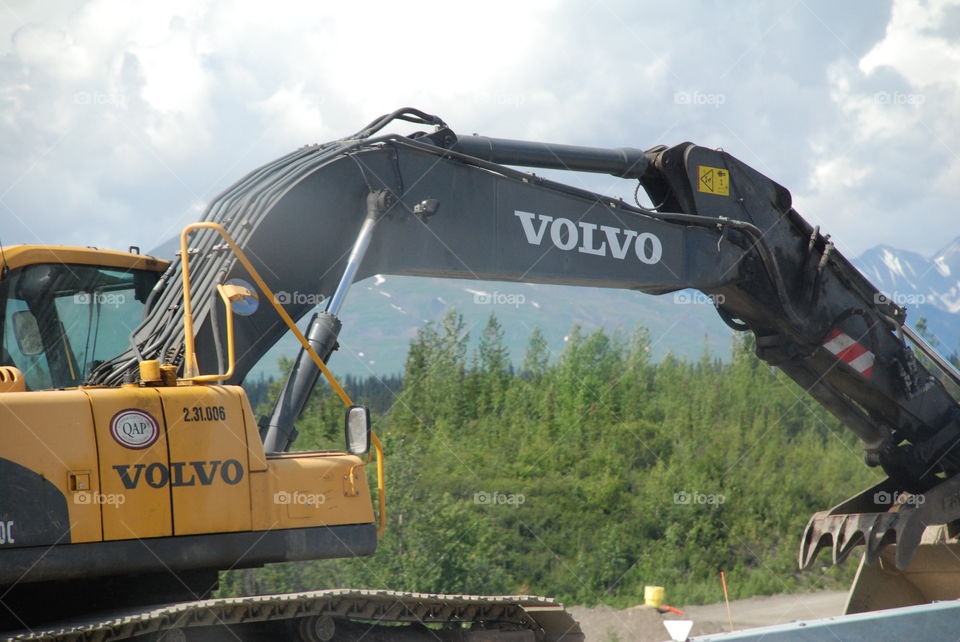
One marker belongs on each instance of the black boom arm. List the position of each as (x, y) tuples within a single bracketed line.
[(435, 204)]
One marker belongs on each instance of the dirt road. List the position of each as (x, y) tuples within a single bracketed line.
[(641, 624)]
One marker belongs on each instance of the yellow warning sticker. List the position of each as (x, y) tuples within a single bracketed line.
[(713, 180)]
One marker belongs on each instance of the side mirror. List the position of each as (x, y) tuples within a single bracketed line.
[(27, 332), (357, 429)]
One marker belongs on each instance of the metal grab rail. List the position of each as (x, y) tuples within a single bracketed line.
[(190, 357)]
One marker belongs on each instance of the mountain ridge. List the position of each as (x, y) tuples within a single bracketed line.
[(383, 313), (929, 287)]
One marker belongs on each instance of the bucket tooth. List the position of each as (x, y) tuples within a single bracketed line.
[(850, 534)]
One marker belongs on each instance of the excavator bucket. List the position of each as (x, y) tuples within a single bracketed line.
[(884, 520), (932, 575), (911, 553)]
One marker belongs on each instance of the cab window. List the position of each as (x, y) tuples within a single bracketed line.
[(61, 321)]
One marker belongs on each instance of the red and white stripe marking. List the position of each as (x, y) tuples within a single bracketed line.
[(850, 352)]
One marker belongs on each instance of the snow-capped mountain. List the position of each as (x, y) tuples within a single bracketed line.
[(928, 287)]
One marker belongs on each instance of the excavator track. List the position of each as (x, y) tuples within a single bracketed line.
[(331, 615)]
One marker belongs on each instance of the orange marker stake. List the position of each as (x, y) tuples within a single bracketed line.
[(726, 598)]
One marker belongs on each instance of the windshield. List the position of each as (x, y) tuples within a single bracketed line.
[(61, 321)]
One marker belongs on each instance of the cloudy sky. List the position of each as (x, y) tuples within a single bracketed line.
[(119, 121)]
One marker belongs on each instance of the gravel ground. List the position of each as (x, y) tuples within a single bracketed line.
[(643, 624)]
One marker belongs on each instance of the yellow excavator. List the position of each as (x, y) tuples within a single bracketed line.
[(133, 469)]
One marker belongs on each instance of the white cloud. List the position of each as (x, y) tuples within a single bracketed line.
[(916, 47), (839, 171), (124, 116), (888, 169), (296, 114)]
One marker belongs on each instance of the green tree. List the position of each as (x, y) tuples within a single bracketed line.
[(537, 357), (602, 445)]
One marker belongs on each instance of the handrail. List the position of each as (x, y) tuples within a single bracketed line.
[(190, 368), (190, 357), (231, 359), (381, 489)]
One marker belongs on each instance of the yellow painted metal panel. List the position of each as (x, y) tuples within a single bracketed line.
[(52, 434), (16, 256), (209, 469), (134, 491), (311, 489), (257, 458)]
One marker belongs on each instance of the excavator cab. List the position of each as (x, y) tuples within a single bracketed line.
[(141, 492), (66, 310)]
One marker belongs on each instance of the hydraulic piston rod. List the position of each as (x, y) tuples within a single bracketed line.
[(625, 162), (279, 432), (377, 203)]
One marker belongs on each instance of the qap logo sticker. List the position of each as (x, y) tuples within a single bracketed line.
[(134, 429)]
